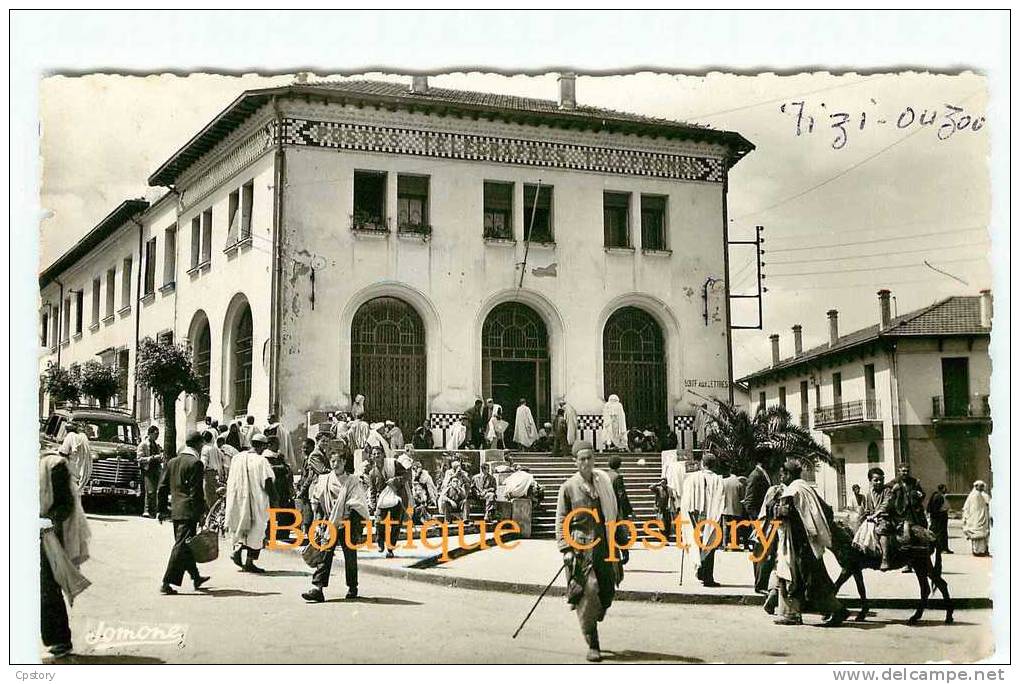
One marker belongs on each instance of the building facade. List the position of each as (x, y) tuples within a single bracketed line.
[(425, 247), (912, 388)]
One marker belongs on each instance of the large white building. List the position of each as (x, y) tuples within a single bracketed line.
[(324, 240), (911, 388)]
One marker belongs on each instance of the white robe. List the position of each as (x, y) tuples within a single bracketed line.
[(247, 507), (976, 521), (614, 424), (571, 416), (496, 426), (330, 488), (525, 430), (809, 508), (703, 495), (455, 436), (518, 484)]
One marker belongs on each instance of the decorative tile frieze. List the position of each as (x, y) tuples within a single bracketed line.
[(488, 148), (246, 152)]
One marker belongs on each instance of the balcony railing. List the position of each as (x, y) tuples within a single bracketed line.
[(960, 410), (422, 229), (847, 413)]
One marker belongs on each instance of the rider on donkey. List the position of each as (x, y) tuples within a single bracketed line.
[(899, 509)]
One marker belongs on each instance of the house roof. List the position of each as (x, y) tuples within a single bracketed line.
[(395, 94), (946, 317), (125, 211)]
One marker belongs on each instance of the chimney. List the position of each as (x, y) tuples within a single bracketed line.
[(419, 84), (775, 348), (798, 345), (833, 326), (884, 311), (568, 99), (986, 308)]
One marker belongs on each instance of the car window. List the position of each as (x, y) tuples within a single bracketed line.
[(51, 425), (109, 431)]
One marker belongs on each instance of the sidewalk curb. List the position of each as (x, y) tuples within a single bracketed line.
[(453, 582)]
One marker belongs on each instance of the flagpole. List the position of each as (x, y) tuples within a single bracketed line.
[(527, 234)]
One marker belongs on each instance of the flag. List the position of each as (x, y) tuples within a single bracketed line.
[(545, 271)]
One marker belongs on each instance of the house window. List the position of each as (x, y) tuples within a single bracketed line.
[(242, 360), (782, 396), (207, 235), (196, 241), (369, 201), (837, 388), (615, 219), (96, 300), (44, 335), (144, 403), (805, 418), (874, 455), (65, 331), (150, 266), (233, 217), (169, 254), (247, 199), (111, 283), (653, 222), (123, 358), (498, 210), (125, 299), (538, 217), (818, 396), (761, 401), (79, 310), (412, 203)]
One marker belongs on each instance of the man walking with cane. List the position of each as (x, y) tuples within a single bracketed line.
[(181, 497), (585, 505)]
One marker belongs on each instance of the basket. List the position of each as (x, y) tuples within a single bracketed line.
[(205, 546)]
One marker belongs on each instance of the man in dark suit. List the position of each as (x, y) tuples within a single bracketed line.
[(758, 483), (181, 499), (475, 423)]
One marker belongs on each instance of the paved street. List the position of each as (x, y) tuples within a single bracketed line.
[(250, 618)]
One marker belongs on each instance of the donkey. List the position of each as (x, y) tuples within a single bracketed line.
[(853, 562)]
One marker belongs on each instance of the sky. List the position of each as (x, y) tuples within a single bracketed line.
[(847, 208)]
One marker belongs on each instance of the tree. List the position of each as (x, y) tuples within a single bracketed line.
[(737, 439), (99, 382), (166, 369), (62, 384)]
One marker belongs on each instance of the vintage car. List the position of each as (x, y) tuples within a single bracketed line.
[(113, 439)]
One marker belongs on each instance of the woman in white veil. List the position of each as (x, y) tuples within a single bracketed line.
[(497, 426), (614, 424)]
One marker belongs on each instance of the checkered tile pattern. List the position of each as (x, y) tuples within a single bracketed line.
[(440, 422), (424, 143)]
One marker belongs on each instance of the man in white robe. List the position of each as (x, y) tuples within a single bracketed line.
[(702, 499), (977, 522), (571, 416), (247, 508), (456, 434), (525, 430), (75, 448), (614, 425)]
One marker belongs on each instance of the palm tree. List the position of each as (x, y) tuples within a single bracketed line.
[(737, 439)]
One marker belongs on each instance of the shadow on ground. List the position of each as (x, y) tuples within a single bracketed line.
[(104, 659), (628, 656)]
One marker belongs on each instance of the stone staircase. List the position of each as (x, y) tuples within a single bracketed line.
[(551, 472)]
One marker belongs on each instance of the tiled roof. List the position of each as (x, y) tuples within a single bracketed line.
[(395, 94), (493, 100), (950, 316)]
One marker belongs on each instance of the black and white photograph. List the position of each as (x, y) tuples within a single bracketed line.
[(630, 357)]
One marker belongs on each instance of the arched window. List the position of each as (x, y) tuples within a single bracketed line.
[(874, 455), (634, 365), (515, 360), (201, 348), (242, 346), (388, 361)]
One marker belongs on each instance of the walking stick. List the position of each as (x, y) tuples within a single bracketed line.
[(540, 597), (683, 556)]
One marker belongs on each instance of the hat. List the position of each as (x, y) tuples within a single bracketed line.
[(390, 423), (581, 445), (375, 426), (404, 460), (548, 425), (258, 437)]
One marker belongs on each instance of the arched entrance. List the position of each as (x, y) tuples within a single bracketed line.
[(200, 340), (388, 363), (241, 351), (634, 365), (515, 360)]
